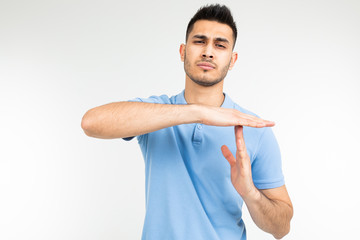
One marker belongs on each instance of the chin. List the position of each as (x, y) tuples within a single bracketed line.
[(206, 83)]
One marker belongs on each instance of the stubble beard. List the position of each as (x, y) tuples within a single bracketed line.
[(204, 81)]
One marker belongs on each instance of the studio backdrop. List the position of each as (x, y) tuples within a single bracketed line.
[(298, 65)]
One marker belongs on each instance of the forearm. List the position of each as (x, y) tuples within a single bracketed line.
[(127, 119), (272, 216)]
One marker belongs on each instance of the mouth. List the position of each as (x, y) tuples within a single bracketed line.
[(206, 65)]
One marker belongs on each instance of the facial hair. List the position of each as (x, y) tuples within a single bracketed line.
[(203, 81)]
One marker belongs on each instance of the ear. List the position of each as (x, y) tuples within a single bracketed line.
[(182, 52), (234, 57)]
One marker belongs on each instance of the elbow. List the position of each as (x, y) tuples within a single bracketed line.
[(283, 233), (87, 124), (285, 228), (91, 125)]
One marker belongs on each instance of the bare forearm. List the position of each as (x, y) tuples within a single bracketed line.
[(272, 216), (127, 119)]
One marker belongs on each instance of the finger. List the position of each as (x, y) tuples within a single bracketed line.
[(228, 155), (252, 121), (240, 142), (268, 123), (256, 122)]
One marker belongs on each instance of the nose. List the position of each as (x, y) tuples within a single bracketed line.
[(207, 56), (208, 52)]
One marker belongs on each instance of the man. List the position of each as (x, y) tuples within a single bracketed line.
[(191, 191)]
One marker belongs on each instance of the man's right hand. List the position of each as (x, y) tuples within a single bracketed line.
[(218, 116), (128, 119)]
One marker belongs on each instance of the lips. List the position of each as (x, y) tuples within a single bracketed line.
[(205, 65)]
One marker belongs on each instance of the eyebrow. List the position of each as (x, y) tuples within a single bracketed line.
[(218, 39)]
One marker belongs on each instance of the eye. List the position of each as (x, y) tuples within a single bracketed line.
[(220, 46), (199, 42)]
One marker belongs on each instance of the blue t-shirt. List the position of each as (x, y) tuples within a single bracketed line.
[(189, 194)]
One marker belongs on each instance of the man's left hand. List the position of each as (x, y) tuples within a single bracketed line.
[(241, 176)]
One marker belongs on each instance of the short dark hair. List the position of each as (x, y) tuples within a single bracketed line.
[(214, 12)]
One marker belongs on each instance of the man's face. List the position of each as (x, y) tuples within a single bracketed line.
[(208, 55)]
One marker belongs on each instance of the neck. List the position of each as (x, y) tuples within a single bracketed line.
[(197, 94)]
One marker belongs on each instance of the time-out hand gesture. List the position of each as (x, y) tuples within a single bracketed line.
[(241, 176), (218, 116)]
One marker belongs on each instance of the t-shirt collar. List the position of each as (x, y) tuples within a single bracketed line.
[(180, 99)]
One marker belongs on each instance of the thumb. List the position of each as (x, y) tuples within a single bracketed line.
[(228, 155)]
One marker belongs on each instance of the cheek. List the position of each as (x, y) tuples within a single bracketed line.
[(187, 55), (192, 52), (226, 58)]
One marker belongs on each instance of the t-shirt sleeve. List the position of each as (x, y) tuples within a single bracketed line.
[(266, 167), (152, 99)]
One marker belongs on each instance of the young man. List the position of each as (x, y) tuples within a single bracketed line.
[(192, 192)]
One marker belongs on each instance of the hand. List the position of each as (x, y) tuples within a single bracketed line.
[(217, 116), (270, 209), (241, 176)]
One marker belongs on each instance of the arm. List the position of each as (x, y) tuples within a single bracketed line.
[(271, 209), (127, 119)]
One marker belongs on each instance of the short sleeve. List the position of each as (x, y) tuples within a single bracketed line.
[(266, 167), (153, 99)]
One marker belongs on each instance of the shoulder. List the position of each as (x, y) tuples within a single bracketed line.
[(229, 103), (162, 99)]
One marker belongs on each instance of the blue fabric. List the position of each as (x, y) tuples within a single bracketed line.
[(189, 194)]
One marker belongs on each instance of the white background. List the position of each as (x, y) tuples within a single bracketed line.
[(298, 66)]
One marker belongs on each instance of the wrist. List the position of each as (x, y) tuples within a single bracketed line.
[(253, 196), (195, 113)]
